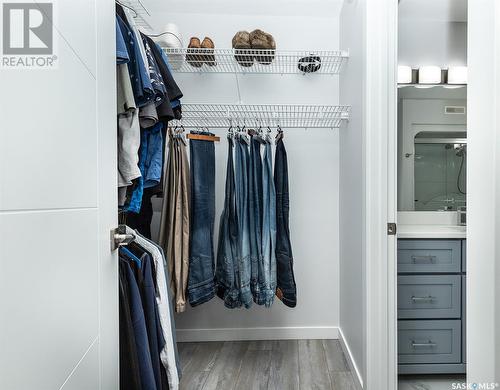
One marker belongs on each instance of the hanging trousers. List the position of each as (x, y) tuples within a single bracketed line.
[(242, 159), (268, 279), (201, 286), (174, 225), (227, 272), (286, 288), (255, 209)]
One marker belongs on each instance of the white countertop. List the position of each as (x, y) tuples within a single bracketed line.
[(431, 231)]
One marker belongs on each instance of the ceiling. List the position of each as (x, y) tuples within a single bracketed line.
[(437, 10)]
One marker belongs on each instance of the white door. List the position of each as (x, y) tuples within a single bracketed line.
[(58, 276)]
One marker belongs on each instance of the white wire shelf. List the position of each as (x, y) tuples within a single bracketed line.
[(256, 61), (139, 12), (257, 115)]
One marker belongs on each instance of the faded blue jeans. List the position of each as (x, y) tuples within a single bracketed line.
[(242, 160), (226, 272), (201, 286), (255, 209), (267, 280)]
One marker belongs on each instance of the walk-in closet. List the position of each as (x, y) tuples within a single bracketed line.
[(218, 195), (250, 185)]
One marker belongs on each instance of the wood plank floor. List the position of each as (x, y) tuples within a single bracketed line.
[(265, 365)]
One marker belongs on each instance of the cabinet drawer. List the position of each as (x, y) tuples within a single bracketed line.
[(464, 320), (429, 342), (429, 296), (464, 256), (430, 256)]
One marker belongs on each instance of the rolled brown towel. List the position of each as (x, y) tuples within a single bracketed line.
[(265, 43), (193, 56), (241, 44)]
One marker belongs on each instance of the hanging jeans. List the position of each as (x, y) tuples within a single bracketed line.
[(174, 225), (242, 158), (255, 206), (286, 288), (267, 280), (201, 287), (226, 273)]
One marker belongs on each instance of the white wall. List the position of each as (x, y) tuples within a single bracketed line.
[(431, 42), (432, 32), (352, 184), (313, 164)]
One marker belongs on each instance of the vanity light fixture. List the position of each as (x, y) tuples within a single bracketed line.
[(429, 75), (404, 74), (457, 75)]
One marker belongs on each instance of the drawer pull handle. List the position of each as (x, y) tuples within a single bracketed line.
[(423, 259), (429, 298), (429, 344)]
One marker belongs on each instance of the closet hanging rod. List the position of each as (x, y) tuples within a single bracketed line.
[(120, 237), (320, 62)]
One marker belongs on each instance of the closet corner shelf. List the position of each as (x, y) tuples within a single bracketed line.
[(262, 115), (275, 61)]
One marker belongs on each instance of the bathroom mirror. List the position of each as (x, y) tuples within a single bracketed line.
[(432, 149), (439, 170)]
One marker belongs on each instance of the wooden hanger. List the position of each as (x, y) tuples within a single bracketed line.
[(203, 137)]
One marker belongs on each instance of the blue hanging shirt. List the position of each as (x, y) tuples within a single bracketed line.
[(122, 56), (139, 75)]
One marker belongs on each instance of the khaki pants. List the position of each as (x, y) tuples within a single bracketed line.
[(174, 226)]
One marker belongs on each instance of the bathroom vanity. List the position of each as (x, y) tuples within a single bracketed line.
[(431, 299)]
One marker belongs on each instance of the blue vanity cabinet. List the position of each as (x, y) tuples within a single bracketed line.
[(431, 306), (429, 256)]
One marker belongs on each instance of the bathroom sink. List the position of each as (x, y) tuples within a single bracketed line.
[(431, 231)]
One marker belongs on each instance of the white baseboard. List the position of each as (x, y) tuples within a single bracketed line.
[(350, 359), (272, 333)]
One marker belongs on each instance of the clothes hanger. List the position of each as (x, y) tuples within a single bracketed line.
[(279, 134), (268, 135), (230, 131), (130, 255), (128, 7), (179, 133), (203, 137), (258, 135), (243, 135)]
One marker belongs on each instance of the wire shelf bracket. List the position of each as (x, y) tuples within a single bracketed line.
[(262, 115), (250, 61)]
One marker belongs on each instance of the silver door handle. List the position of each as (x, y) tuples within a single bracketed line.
[(423, 259), (429, 344), (423, 299)]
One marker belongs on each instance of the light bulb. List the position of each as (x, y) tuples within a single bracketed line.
[(429, 75), (404, 74), (457, 75)]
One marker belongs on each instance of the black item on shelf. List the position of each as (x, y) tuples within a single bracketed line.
[(309, 64)]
